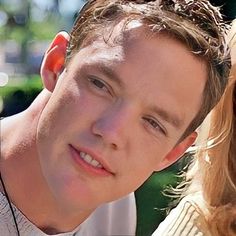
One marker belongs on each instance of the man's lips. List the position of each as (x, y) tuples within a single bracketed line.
[(90, 161)]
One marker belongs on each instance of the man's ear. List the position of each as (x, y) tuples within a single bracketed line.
[(177, 152), (53, 61)]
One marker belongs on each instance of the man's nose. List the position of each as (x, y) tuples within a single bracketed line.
[(114, 126)]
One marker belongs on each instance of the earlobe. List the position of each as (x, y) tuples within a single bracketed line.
[(177, 152), (53, 61)]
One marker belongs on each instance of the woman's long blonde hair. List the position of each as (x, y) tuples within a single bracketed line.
[(213, 172)]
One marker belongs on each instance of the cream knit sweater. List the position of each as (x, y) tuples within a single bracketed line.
[(116, 218)]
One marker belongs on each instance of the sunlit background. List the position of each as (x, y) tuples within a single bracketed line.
[(26, 29)]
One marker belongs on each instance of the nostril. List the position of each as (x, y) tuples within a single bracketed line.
[(114, 146)]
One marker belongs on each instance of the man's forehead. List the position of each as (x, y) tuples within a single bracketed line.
[(115, 44), (120, 33)]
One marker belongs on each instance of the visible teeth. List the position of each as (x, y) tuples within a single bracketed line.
[(95, 163), (82, 154), (87, 158)]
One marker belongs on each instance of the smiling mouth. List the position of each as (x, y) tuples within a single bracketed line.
[(88, 163), (89, 160)]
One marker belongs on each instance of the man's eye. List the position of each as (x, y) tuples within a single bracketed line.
[(98, 84), (154, 124)]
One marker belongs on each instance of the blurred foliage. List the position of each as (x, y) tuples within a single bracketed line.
[(48, 29), (155, 197), (152, 204), (17, 98), (34, 83)]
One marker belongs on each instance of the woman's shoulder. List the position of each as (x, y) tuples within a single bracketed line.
[(187, 219)]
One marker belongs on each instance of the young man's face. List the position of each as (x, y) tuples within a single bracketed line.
[(115, 116)]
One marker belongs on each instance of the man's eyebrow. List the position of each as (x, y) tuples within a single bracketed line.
[(110, 73), (170, 118)]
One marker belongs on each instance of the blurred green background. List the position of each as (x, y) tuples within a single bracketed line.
[(26, 29)]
